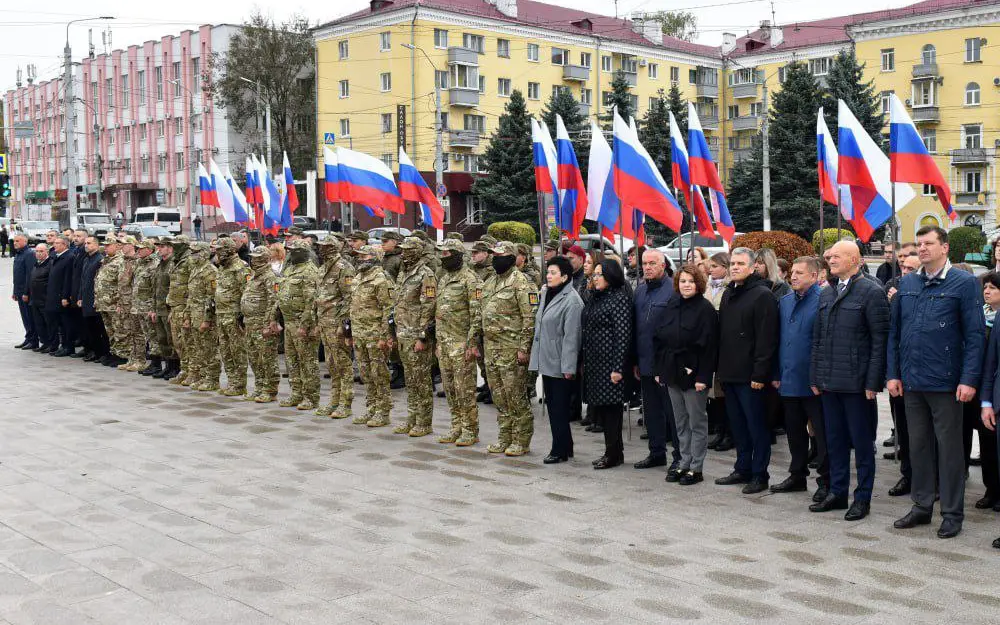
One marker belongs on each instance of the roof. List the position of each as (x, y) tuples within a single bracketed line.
[(542, 15), (834, 29)]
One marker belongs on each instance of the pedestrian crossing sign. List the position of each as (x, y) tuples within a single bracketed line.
[(3, 163), (329, 138)]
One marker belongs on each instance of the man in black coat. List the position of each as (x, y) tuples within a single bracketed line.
[(24, 260), (847, 369), (94, 335), (78, 250), (57, 298), (38, 286), (748, 342)]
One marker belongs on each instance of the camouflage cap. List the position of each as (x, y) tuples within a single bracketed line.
[(388, 235), (551, 247), (295, 231), (181, 239), (109, 240), (523, 250), (481, 246), (199, 246), (127, 240), (420, 234), (147, 244), (412, 243), (366, 250), (359, 235), (331, 240), (451, 245), (163, 241), (489, 240), (298, 244), (505, 248), (225, 244), (455, 235), (260, 250)]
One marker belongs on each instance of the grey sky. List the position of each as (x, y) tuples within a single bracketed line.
[(37, 36)]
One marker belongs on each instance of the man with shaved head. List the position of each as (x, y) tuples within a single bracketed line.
[(847, 369)]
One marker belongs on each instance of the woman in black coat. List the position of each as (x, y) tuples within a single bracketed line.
[(607, 332)]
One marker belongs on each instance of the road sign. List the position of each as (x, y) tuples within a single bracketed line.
[(160, 196), (442, 190), (3, 163), (329, 138)]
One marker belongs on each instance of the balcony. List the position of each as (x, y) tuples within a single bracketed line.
[(926, 114), (462, 56), (461, 96), (631, 78), (709, 119), (577, 73), (746, 122), (967, 197), (747, 90), (706, 91), (463, 138), (741, 154), (925, 70), (583, 109), (969, 156)]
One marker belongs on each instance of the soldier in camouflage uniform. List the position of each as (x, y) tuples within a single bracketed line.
[(372, 296), (259, 305), (413, 310), (333, 308), (204, 360), (527, 265), (130, 325), (297, 302), (106, 297), (481, 263), (458, 327), (178, 320), (355, 241), (232, 278), (430, 253), (508, 309), (143, 294), (392, 258), (161, 313)]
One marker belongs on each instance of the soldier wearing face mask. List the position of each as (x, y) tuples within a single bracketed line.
[(201, 319), (297, 301), (372, 296), (333, 308), (259, 306), (232, 278)]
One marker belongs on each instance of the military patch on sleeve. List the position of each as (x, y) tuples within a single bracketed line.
[(213, 285), (533, 299), (430, 291), (348, 280), (249, 277), (275, 287), (479, 293)]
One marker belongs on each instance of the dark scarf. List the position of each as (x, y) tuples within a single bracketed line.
[(551, 292)]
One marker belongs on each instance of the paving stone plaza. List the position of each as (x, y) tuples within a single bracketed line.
[(128, 501)]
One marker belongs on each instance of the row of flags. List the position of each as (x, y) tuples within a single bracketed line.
[(866, 185), (266, 202)]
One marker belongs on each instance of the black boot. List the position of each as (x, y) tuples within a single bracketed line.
[(159, 373), (173, 368), (398, 380), (153, 368)]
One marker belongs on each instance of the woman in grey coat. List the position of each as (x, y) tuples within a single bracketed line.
[(554, 352)]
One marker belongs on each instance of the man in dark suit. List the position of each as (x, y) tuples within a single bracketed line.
[(77, 248), (57, 298), (24, 260), (38, 286), (94, 335)]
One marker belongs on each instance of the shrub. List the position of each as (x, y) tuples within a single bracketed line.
[(785, 244), (513, 231), (555, 232), (830, 237), (963, 240)]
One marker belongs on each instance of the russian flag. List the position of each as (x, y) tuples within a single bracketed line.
[(864, 170), (637, 182), (602, 203), (241, 214), (223, 193), (413, 187), (826, 161), (291, 195), (703, 173), (262, 197), (573, 195), (682, 180), (331, 179), (546, 165), (368, 181), (251, 195), (909, 160), (208, 194)]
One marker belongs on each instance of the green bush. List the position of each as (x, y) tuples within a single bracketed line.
[(554, 233), (785, 244), (963, 240), (513, 231), (829, 236)]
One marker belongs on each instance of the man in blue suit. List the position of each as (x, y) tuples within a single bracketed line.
[(24, 260)]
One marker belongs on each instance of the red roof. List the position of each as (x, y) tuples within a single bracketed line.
[(834, 29), (541, 15)]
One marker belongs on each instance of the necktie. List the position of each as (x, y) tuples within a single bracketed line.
[(841, 286)]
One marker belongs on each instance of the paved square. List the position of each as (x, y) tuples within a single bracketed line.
[(125, 500)]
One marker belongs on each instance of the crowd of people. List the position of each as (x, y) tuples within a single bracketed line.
[(742, 343)]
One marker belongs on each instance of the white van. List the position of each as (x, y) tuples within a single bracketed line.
[(165, 216)]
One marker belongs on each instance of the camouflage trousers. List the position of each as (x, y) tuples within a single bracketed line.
[(203, 357), (458, 376), (508, 383), (161, 345), (112, 327), (262, 353), (419, 387), (232, 348), (338, 362), (133, 337), (371, 362), (181, 338), (302, 361)]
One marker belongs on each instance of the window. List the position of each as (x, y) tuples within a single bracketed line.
[(756, 108), (127, 134), (585, 59), (145, 164), (444, 121), (384, 42), (161, 161), (503, 48), (633, 101), (344, 49), (533, 89), (503, 87), (142, 132), (386, 80), (930, 140), (124, 90), (928, 54), (475, 122), (474, 42), (482, 84), (473, 210), (605, 63), (178, 126), (972, 136), (471, 163), (559, 56), (465, 76), (109, 93), (923, 93), (177, 79), (973, 181), (557, 89), (586, 96), (654, 71), (533, 52), (885, 102), (440, 38), (159, 128), (345, 127), (675, 74), (444, 167), (732, 111), (386, 123), (386, 158), (606, 98), (782, 72), (441, 78), (929, 190), (972, 94), (972, 50), (630, 64), (179, 160), (345, 89), (819, 67), (744, 76), (159, 84), (652, 103), (111, 136), (889, 60), (142, 87)]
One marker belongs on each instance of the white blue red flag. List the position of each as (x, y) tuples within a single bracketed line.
[(572, 194), (208, 194), (241, 212), (414, 188), (331, 178), (602, 203), (291, 195), (826, 161), (368, 181), (638, 183), (909, 160), (223, 194), (703, 172), (682, 180), (546, 163)]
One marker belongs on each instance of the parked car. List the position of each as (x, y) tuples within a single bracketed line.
[(375, 234), (166, 216), (140, 231), (35, 230), (593, 241), (306, 223), (96, 224), (710, 245)]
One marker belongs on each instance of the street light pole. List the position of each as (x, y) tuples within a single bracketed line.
[(438, 130)]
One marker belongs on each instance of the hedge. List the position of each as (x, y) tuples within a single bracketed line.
[(830, 237), (554, 233), (963, 240), (785, 244), (513, 231)]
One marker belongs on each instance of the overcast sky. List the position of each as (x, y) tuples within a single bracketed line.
[(37, 36)]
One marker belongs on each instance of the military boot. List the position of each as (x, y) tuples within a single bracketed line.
[(516, 449), (420, 430), (125, 365), (172, 370), (177, 377), (360, 420), (342, 412), (264, 398), (206, 386), (154, 366), (290, 401), (403, 428), (467, 439), (136, 366), (308, 403), (232, 391), (499, 447), (377, 422), (450, 437), (326, 411)]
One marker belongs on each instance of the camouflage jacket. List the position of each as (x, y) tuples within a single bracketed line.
[(333, 291), (483, 271), (392, 263), (372, 296), (161, 285), (106, 283), (201, 294), (458, 313), (259, 301), (531, 270), (143, 286), (413, 306), (126, 283), (509, 304), (180, 274), (232, 278), (297, 293)]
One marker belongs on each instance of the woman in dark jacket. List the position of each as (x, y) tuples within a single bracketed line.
[(607, 332), (686, 353)]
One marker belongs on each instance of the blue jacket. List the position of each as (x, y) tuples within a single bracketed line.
[(24, 261), (937, 332), (797, 317), (650, 300), (91, 265), (60, 281)]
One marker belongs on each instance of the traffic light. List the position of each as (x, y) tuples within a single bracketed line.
[(5, 185)]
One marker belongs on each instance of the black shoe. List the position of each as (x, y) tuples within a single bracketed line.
[(398, 381), (858, 510), (602, 458), (488, 400), (996, 543), (651, 461), (63, 352), (901, 488), (987, 501), (889, 455), (82, 354), (586, 422), (30, 347), (644, 436), (725, 445), (832, 502), (440, 394), (553, 459), (598, 429), (821, 494), (607, 463), (756, 485), (92, 357), (949, 528), (690, 478), (41, 349), (791, 484), (712, 444), (732, 479), (674, 474), (975, 462), (589, 428), (21, 345), (912, 519), (640, 421), (674, 466), (53, 349), (889, 442)]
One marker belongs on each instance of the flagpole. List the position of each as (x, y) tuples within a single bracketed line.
[(840, 206), (691, 212), (680, 235), (822, 232)]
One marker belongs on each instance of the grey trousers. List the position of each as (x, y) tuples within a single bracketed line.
[(938, 416), (692, 425)]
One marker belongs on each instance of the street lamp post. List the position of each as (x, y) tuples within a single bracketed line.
[(267, 116), (438, 130)]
